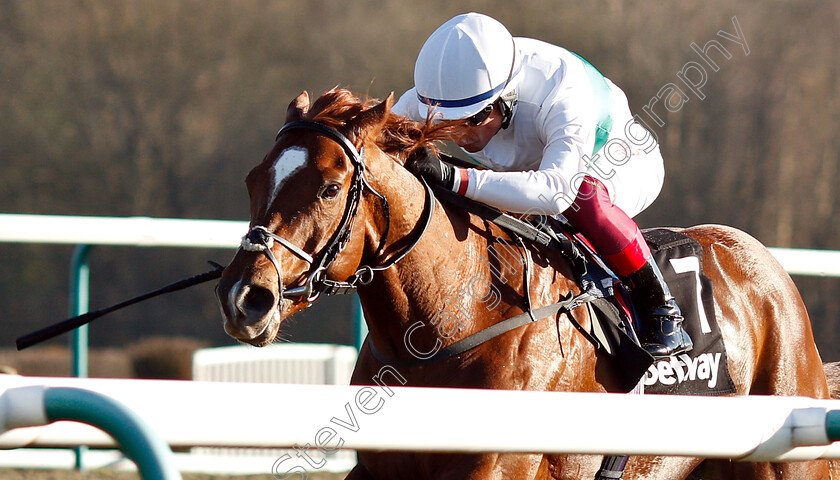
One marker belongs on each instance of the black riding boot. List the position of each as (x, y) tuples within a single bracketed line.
[(662, 331)]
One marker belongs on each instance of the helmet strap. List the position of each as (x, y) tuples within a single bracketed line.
[(505, 103)]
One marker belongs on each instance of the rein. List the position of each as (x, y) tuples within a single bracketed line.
[(260, 239), (520, 230)]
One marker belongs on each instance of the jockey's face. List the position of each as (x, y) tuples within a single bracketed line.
[(473, 138)]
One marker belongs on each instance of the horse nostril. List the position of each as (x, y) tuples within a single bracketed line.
[(255, 301)]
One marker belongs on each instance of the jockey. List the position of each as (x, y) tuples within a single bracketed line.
[(549, 135)]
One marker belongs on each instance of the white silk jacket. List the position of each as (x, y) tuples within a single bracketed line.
[(537, 163)]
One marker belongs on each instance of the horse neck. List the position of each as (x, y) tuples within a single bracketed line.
[(432, 277)]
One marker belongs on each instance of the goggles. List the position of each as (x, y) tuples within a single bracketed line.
[(481, 116)]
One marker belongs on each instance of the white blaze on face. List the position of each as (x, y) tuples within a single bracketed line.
[(289, 162)]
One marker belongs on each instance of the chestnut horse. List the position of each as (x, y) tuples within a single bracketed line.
[(326, 215)]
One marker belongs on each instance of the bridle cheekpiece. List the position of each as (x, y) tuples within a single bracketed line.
[(260, 239)]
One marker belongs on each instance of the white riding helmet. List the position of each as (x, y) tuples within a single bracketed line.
[(465, 65)]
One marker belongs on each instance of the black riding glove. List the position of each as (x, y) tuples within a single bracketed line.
[(426, 164)]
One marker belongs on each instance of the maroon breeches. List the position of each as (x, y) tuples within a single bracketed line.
[(613, 234)]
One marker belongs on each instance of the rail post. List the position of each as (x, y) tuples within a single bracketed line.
[(360, 329), (79, 303), (36, 405)]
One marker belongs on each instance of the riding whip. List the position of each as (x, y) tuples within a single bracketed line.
[(65, 326)]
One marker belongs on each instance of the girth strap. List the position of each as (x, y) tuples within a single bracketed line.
[(569, 303)]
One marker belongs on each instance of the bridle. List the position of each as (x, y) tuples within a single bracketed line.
[(260, 239)]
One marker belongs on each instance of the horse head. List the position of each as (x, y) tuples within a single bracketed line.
[(314, 214)]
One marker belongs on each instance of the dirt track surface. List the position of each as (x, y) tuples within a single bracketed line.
[(12, 474)]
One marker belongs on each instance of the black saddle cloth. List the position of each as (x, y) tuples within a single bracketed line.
[(703, 370)]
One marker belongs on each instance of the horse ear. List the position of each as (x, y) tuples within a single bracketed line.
[(369, 122), (298, 108)]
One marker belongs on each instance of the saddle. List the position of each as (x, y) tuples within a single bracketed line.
[(702, 371)]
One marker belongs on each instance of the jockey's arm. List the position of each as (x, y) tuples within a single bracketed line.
[(565, 129), (552, 187)]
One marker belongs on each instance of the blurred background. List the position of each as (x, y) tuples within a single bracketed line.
[(159, 108)]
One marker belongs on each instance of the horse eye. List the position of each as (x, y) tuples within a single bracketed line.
[(330, 191)]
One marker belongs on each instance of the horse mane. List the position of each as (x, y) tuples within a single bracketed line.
[(399, 137)]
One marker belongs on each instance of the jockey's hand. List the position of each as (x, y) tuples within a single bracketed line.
[(426, 164)]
